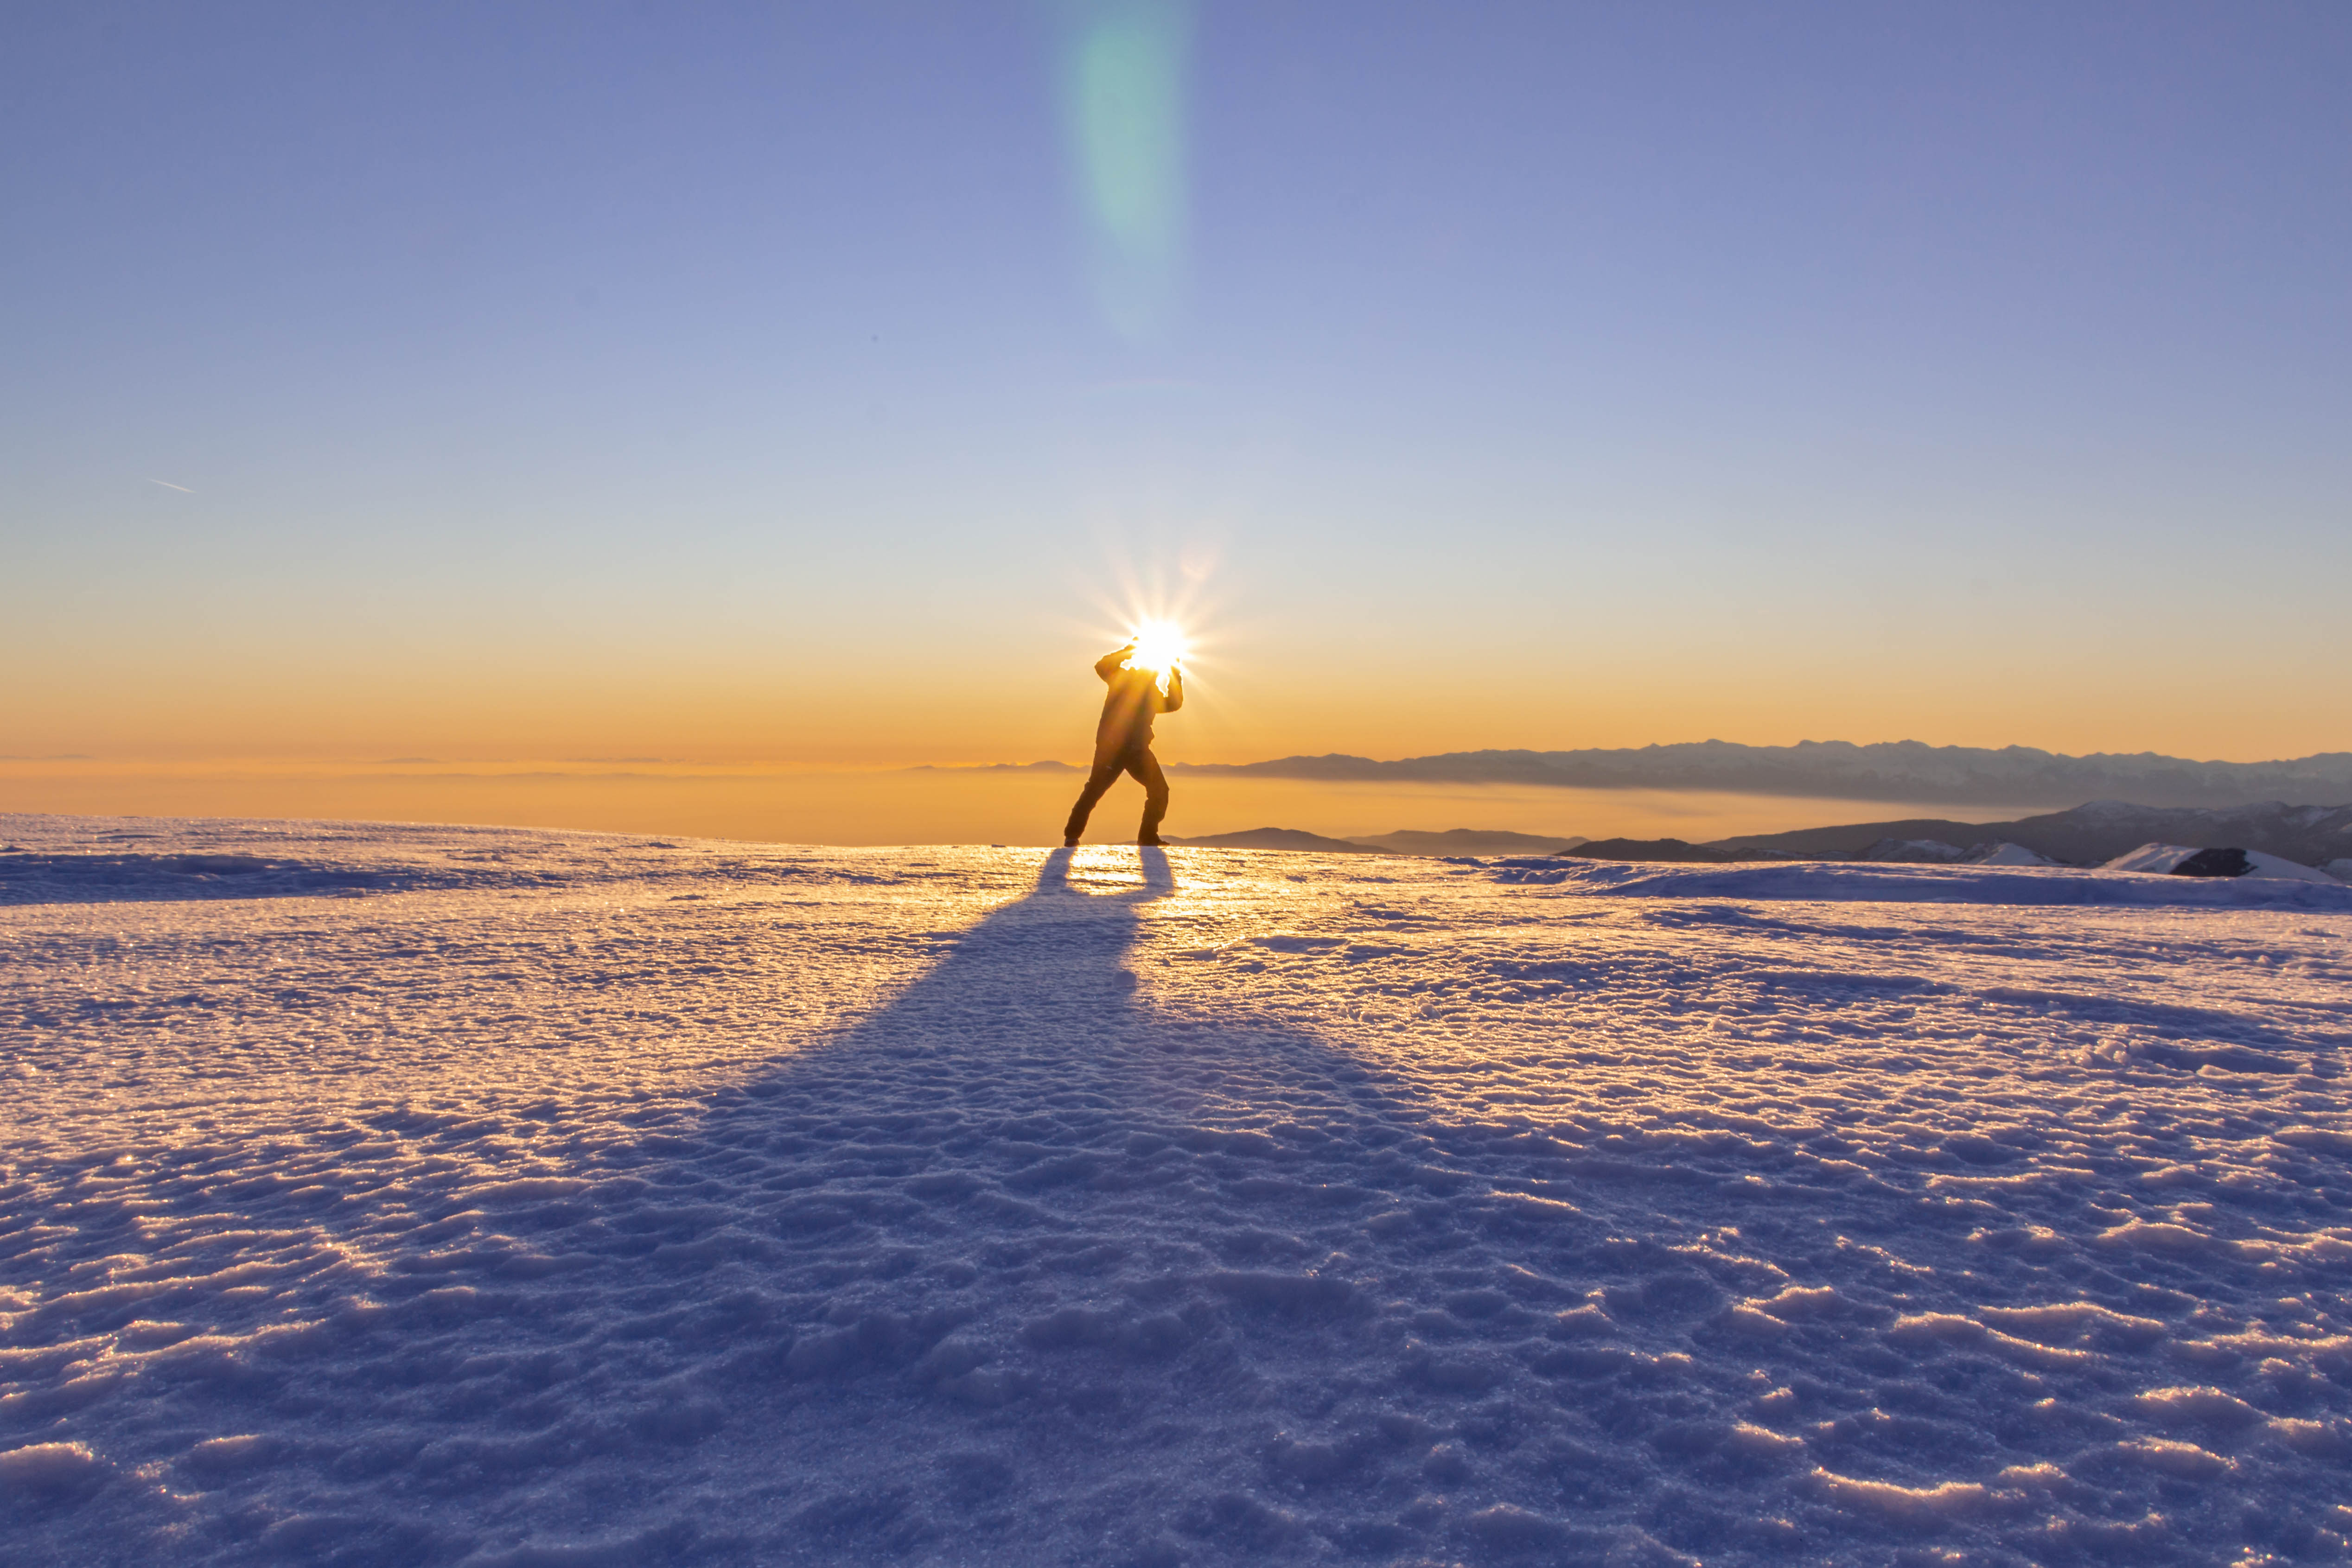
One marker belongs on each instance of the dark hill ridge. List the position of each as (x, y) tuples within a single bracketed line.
[(1469, 841), (1840, 770), (2088, 834), (1668, 849), (1292, 838)]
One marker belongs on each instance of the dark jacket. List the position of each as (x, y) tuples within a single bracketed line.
[(1134, 700)]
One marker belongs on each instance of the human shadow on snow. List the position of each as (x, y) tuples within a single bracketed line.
[(1020, 1268)]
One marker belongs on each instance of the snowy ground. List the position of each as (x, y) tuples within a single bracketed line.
[(415, 1196)]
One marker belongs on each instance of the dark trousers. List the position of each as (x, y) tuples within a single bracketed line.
[(1109, 765)]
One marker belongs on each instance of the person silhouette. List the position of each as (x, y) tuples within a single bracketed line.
[(1123, 739)]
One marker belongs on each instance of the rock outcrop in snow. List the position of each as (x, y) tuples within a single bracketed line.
[(2178, 860)]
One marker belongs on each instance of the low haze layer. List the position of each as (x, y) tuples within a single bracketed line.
[(987, 806)]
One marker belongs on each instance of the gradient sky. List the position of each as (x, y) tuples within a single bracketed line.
[(820, 383)]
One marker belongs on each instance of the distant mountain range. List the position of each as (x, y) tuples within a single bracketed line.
[(1838, 770), (2088, 834)]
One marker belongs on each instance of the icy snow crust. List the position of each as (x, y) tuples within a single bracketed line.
[(443, 1196)]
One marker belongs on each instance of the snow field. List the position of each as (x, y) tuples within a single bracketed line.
[(443, 1195)]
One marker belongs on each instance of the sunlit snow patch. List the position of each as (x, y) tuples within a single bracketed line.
[(2007, 854), (572, 1198)]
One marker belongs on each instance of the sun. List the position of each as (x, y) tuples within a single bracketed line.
[(1159, 645)]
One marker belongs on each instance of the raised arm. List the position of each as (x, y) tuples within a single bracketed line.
[(1175, 698), (1108, 665)]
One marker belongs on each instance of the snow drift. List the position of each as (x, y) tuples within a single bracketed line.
[(524, 1198)]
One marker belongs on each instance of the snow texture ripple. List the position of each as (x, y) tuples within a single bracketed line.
[(380, 1195)]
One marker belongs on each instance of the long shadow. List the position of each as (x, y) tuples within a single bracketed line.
[(1021, 1268), (1050, 1262)]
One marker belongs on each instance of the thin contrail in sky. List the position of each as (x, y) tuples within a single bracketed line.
[(170, 486)]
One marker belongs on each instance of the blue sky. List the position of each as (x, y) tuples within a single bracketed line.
[(1565, 376)]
